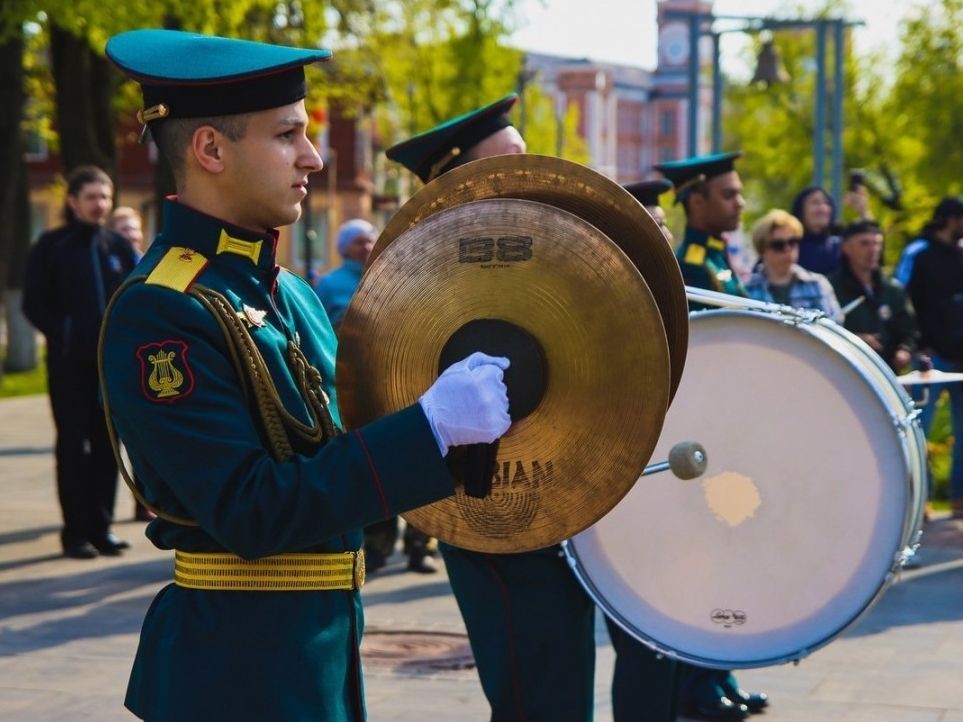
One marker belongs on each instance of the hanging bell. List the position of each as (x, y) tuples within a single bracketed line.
[(769, 67)]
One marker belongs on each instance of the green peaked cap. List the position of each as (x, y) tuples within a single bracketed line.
[(187, 75), (686, 173), (647, 192), (426, 155)]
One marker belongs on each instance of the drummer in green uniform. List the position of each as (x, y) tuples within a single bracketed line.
[(710, 191), (217, 371)]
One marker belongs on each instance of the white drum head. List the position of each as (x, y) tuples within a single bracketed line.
[(792, 530)]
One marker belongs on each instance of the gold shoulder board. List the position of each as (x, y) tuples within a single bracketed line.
[(178, 269), (695, 254)]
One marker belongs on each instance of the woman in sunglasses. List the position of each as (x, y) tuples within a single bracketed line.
[(779, 278)]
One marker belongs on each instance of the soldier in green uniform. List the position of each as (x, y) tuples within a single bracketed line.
[(217, 372), (530, 623), (710, 191)]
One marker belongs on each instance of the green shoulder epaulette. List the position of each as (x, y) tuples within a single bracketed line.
[(178, 269)]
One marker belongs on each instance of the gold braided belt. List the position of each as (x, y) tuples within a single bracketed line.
[(280, 573)]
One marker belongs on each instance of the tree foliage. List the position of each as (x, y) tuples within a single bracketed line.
[(902, 123)]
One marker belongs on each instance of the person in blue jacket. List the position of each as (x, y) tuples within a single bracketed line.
[(217, 368), (355, 240)]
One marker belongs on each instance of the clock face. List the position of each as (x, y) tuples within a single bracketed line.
[(674, 44)]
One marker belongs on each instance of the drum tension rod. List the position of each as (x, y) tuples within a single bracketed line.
[(687, 460)]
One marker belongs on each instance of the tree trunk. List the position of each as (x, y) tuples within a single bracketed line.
[(14, 207), (84, 86)]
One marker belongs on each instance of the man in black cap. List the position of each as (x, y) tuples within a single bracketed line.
[(217, 368), (877, 308), (710, 191)]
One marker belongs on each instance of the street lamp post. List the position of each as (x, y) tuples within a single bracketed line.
[(701, 23)]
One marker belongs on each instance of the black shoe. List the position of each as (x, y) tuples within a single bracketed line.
[(719, 709), (110, 545), (754, 701), (422, 565), (80, 550)]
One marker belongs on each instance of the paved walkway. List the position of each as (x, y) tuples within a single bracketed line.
[(68, 629)]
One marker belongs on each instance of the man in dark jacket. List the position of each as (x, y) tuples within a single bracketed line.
[(72, 272), (877, 308), (936, 288)]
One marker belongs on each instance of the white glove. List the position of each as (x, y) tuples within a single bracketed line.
[(468, 403)]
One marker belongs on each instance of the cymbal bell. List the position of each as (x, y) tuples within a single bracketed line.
[(592, 426), (579, 190)]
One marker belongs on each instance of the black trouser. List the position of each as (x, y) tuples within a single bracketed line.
[(644, 685), (86, 469), (380, 538)]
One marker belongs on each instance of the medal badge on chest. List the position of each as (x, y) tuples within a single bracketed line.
[(254, 317)]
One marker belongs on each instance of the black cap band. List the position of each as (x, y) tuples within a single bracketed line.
[(203, 100)]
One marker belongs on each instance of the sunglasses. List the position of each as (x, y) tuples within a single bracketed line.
[(779, 245)]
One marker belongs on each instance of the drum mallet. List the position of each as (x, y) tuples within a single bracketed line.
[(687, 460)]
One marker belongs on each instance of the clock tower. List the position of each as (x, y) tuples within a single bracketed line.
[(671, 79)]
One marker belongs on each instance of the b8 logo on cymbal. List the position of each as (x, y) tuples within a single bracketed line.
[(504, 249)]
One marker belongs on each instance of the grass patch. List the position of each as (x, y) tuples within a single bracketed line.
[(24, 383), (940, 443)]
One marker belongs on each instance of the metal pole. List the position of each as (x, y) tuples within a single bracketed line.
[(695, 28), (716, 96), (839, 47), (819, 131)]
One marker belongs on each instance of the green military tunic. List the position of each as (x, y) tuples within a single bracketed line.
[(705, 264), (200, 452)]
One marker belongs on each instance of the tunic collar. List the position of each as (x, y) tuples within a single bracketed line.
[(218, 240)]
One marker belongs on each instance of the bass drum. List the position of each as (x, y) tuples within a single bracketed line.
[(812, 498)]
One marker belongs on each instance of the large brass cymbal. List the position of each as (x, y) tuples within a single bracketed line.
[(578, 190), (605, 361)]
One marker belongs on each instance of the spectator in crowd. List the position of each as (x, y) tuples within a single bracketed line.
[(72, 272), (127, 222), (936, 289), (779, 278), (945, 225), (355, 240), (820, 245), (876, 308)]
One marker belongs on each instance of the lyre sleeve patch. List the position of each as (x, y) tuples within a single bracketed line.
[(165, 372)]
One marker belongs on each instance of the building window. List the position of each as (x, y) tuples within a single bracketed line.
[(667, 123), (666, 154)]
